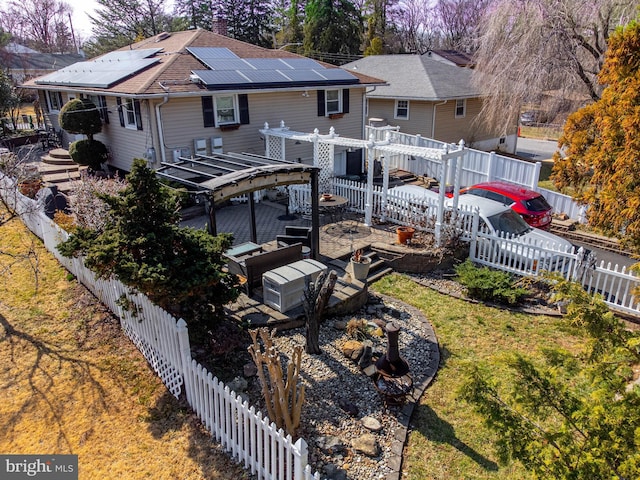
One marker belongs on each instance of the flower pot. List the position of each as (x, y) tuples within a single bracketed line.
[(360, 270), (405, 234)]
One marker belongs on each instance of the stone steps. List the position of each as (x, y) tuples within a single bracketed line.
[(57, 168)]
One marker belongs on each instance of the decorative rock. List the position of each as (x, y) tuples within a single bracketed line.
[(330, 444), (340, 325), (250, 370), (366, 444), (365, 357), (352, 349), (371, 424), (238, 385), (335, 473), (348, 407), (370, 371)]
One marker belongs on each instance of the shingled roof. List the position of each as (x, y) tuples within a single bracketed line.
[(415, 77), (175, 66)]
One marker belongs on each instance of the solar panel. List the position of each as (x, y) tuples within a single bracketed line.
[(128, 55), (304, 76), (302, 63), (208, 54), (268, 64), (226, 68), (265, 76), (224, 77), (229, 64), (99, 74)]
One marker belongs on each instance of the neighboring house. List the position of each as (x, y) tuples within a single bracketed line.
[(452, 57), (23, 63), (182, 93), (429, 98)]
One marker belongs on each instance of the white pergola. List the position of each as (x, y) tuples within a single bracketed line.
[(323, 157)]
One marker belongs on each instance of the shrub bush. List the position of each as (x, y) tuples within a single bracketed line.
[(90, 153), (486, 284)]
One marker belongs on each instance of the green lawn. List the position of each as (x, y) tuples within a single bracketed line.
[(448, 440)]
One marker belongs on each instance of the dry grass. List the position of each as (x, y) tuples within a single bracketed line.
[(71, 382)]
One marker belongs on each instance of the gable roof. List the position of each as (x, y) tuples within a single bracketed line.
[(171, 66), (416, 77), (18, 57)]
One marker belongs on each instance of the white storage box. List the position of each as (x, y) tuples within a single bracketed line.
[(283, 287)]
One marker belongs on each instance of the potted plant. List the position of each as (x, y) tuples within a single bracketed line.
[(360, 265), (405, 234)]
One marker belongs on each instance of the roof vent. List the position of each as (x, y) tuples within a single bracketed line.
[(194, 78), (162, 36)]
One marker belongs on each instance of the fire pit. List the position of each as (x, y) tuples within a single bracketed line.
[(392, 379)]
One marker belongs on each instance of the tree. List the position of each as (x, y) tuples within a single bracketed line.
[(332, 27), (178, 268), (567, 418), (459, 22), (7, 95), (81, 116), (118, 23), (600, 144), (40, 24), (247, 20), (529, 48)]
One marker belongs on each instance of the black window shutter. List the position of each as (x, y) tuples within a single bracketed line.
[(207, 112), (321, 110), (243, 103), (345, 100), (46, 102), (136, 109), (103, 108), (120, 112)]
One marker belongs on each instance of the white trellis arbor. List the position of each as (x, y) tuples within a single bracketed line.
[(323, 157)]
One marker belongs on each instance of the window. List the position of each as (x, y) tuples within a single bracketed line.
[(226, 110), (54, 100), (402, 109), (333, 102), (129, 113), (332, 99), (100, 101), (461, 107)]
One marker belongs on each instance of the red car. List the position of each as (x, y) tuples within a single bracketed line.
[(532, 206)]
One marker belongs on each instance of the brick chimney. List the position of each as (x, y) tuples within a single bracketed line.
[(220, 26)]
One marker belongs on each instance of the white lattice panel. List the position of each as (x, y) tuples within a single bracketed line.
[(324, 154), (274, 148), (169, 375)]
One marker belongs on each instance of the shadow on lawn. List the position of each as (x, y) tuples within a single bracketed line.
[(438, 430), (41, 374), (170, 415)]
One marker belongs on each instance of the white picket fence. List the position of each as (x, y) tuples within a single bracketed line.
[(615, 284), (248, 436), (476, 167)]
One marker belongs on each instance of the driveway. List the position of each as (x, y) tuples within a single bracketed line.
[(535, 150)]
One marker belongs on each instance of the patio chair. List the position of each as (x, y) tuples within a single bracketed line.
[(294, 234)]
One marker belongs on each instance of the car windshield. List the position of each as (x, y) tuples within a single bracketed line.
[(537, 204), (509, 222)]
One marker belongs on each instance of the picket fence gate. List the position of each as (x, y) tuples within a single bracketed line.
[(244, 432)]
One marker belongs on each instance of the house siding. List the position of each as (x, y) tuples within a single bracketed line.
[(183, 122), (448, 128), (125, 144)]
